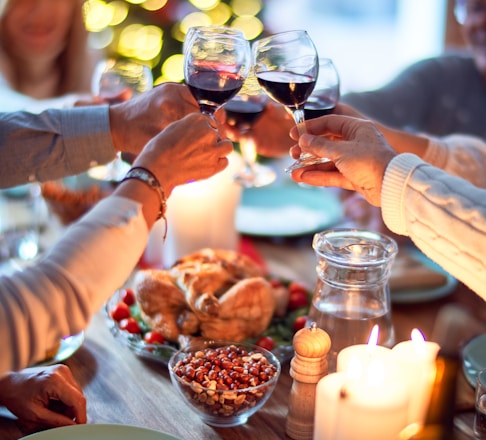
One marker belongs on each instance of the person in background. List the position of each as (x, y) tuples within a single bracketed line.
[(443, 214), (45, 61), (440, 95), (57, 295)]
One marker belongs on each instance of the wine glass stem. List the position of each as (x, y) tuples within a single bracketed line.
[(248, 151), (298, 115)]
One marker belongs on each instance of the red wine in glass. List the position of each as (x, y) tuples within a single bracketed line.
[(213, 88), (287, 88), (242, 114), (319, 107)]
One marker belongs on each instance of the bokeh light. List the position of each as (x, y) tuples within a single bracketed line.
[(205, 4), (153, 31)]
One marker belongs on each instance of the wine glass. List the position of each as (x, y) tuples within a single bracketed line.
[(242, 112), (217, 61), (116, 81), (325, 95), (286, 65)]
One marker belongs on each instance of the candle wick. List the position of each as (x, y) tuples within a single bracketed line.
[(343, 394), (313, 326)]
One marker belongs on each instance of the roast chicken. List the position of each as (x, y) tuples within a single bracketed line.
[(217, 294)]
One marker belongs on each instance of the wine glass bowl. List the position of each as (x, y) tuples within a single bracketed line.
[(287, 65), (325, 95), (242, 112), (119, 80), (217, 61)]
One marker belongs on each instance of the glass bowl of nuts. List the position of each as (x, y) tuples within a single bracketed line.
[(224, 382)]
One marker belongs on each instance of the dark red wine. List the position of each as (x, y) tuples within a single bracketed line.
[(319, 106), (289, 89), (243, 114), (212, 88)]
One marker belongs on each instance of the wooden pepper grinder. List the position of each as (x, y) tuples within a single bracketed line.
[(309, 364)]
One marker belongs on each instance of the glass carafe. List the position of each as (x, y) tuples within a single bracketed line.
[(352, 293)]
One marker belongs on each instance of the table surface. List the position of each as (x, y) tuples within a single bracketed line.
[(122, 388)]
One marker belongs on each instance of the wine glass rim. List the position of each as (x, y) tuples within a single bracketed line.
[(223, 30), (286, 36)]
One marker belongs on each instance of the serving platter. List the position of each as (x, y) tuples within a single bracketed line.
[(280, 330)]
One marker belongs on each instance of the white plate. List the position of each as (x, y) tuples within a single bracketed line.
[(287, 210), (405, 296), (68, 347), (100, 432), (474, 358)]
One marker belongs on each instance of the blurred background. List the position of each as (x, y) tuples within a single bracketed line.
[(370, 42)]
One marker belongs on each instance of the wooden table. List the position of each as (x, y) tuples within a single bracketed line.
[(122, 388)]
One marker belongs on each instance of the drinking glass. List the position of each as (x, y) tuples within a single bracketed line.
[(242, 112), (286, 65), (116, 81), (217, 61)]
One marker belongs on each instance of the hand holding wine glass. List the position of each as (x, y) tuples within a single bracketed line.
[(217, 61), (286, 65)]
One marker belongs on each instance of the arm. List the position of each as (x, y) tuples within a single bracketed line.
[(444, 215), (58, 143), (57, 296)]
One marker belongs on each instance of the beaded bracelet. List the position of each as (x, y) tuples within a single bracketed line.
[(146, 176)]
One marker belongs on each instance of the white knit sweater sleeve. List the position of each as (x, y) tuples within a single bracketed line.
[(57, 296), (444, 215)]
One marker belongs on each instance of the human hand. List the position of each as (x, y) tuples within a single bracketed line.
[(270, 132), (134, 122), (186, 150), (43, 397), (358, 152)]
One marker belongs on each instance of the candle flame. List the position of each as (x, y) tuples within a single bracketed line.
[(373, 339), (418, 342)]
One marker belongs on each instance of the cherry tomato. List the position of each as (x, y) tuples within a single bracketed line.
[(296, 286), (153, 337), (266, 342), (297, 299), (128, 297), (275, 282), (130, 325), (120, 311), (299, 323)]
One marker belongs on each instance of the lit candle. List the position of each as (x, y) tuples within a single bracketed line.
[(365, 399), (360, 404), (202, 214), (367, 353), (417, 359)]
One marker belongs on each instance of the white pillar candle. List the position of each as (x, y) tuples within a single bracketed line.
[(417, 359), (202, 214), (369, 407)]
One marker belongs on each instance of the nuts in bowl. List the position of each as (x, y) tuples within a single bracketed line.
[(224, 382)]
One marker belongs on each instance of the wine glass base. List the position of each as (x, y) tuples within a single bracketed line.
[(261, 175), (305, 162)]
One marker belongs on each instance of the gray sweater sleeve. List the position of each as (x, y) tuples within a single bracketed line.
[(53, 144)]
